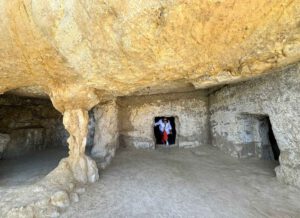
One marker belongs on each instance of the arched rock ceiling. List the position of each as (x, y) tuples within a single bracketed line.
[(83, 51)]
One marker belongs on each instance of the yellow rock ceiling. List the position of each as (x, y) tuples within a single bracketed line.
[(83, 51)]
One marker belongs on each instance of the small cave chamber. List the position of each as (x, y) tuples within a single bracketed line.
[(167, 124), (259, 138), (32, 139), (269, 146)]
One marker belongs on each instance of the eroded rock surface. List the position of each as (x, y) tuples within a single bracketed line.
[(4, 139), (276, 96), (50, 196), (106, 138), (80, 53), (72, 49), (31, 124), (82, 166)]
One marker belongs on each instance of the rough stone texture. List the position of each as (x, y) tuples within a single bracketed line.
[(106, 138), (75, 49), (24, 141), (60, 199), (4, 139), (137, 115), (255, 137), (82, 166), (47, 197), (82, 52), (277, 96), (32, 124)]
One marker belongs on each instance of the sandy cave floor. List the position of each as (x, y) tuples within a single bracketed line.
[(200, 182), (18, 177), (30, 168)]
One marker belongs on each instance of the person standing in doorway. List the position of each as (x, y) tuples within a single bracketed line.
[(165, 129)]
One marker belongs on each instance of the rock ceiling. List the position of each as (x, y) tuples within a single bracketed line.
[(80, 52)]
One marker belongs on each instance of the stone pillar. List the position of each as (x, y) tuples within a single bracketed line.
[(82, 166), (289, 170), (106, 132), (287, 134)]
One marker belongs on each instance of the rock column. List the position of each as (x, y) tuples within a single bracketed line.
[(82, 166), (287, 133)]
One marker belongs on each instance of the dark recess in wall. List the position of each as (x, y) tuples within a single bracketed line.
[(172, 137), (275, 148)]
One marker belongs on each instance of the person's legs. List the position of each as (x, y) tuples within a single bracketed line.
[(162, 138), (165, 138)]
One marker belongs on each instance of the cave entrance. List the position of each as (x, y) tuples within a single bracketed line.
[(269, 147), (170, 129), (32, 139), (258, 137)]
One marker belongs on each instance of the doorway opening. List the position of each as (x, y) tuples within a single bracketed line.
[(258, 138), (159, 134), (269, 146)]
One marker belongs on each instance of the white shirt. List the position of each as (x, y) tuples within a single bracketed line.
[(163, 126)]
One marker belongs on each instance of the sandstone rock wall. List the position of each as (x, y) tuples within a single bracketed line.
[(32, 124), (276, 96), (123, 46), (106, 137), (137, 115), (84, 169)]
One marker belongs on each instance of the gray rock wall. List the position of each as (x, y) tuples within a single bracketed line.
[(235, 112), (4, 139), (106, 135), (137, 113)]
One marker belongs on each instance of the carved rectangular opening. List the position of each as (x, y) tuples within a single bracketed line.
[(270, 149), (258, 138), (170, 128)]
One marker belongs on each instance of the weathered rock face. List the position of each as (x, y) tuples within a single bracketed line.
[(106, 138), (26, 120), (4, 139), (32, 124), (77, 51), (83, 167), (137, 114), (80, 53), (276, 96)]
